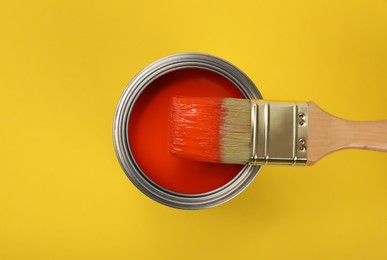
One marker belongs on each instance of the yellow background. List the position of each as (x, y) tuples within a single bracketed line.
[(63, 66)]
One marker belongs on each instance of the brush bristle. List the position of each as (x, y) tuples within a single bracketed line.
[(211, 129)]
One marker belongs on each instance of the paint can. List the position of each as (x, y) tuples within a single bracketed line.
[(126, 122)]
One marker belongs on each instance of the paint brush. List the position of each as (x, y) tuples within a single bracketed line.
[(243, 131)]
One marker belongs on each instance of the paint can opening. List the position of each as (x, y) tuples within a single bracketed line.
[(149, 132), (141, 131)]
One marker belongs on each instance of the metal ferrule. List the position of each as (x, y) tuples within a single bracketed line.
[(279, 133)]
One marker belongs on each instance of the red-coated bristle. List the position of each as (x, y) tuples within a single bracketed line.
[(195, 128)]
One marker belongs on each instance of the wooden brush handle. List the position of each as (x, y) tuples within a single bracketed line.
[(327, 133)]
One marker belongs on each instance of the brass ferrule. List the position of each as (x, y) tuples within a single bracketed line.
[(279, 133)]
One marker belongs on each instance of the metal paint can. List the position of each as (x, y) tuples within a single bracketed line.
[(122, 144)]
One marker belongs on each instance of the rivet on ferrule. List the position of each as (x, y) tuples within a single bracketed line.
[(279, 133)]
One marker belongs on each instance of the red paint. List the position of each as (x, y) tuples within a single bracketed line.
[(149, 132), (195, 128)]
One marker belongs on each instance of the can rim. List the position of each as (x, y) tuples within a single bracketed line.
[(121, 122)]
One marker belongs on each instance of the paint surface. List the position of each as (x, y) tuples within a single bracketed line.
[(149, 132)]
